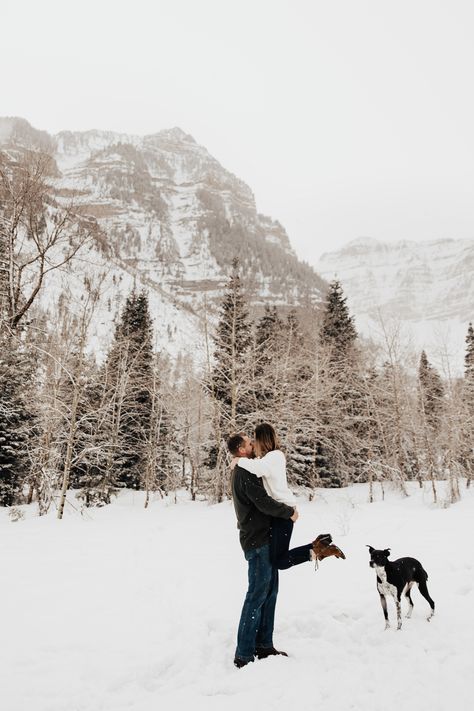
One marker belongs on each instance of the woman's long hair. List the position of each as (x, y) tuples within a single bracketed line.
[(265, 439)]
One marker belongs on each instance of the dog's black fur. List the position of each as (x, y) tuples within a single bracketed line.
[(397, 577)]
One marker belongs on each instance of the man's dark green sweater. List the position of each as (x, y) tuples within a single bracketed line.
[(254, 509)]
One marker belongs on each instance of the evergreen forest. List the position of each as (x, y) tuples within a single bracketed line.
[(345, 410)]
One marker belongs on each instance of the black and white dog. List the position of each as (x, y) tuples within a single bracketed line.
[(397, 578)]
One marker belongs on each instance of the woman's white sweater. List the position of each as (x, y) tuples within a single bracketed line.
[(272, 469)]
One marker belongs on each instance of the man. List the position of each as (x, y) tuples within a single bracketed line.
[(254, 509)]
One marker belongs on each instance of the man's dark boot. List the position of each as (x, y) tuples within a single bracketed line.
[(264, 652), (239, 663)]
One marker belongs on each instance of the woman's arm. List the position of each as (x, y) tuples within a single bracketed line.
[(259, 467), (272, 467)]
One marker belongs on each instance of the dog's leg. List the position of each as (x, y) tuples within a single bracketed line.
[(398, 604), (422, 587), (410, 601), (383, 602)]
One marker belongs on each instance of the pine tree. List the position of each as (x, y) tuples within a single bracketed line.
[(295, 411), (4, 281), (268, 331), (337, 332), (16, 419), (431, 392), (164, 460), (128, 374), (341, 454), (437, 459), (469, 357), (229, 384), (168, 471), (268, 339), (232, 343), (466, 425)]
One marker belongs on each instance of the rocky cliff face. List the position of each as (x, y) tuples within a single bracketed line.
[(426, 287), (177, 214), (171, 219)]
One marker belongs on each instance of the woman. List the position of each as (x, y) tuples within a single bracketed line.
[(271, 467)]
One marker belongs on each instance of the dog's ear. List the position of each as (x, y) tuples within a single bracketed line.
[(370, 549), (387, 552)]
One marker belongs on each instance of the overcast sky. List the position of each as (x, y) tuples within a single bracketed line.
[(347, 118)]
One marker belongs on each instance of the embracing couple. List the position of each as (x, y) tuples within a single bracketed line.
[(266, 511)]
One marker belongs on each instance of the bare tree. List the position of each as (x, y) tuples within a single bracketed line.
[(64, 378), (38, 234), (192, 412)]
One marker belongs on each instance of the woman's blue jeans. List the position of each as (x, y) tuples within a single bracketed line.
[(280, 537), (258, 613)]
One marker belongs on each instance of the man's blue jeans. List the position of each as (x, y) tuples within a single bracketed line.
[(258, 613)]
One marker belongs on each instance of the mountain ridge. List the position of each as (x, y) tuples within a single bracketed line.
[(427, 286), (171, 218)]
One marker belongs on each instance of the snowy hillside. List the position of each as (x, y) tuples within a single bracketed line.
[(428, 287), (171, 219), (126, 608)]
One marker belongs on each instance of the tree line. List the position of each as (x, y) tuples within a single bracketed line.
[(141, 421), (346, 411)]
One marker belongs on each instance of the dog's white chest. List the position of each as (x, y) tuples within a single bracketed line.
[(384, 587)]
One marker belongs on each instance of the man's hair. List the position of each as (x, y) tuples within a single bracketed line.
[(234, 443), (265, 438)]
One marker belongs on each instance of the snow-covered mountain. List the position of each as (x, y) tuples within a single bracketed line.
[(171, 219), (426, 287)]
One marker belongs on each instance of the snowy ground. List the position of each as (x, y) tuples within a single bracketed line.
[(127, 608)]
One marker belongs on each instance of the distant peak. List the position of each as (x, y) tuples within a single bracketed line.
[(176, 134), (18, 130), (92, 133), (9, 123), (358, 246), (363, 242)]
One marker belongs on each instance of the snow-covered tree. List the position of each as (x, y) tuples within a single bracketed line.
[(38, 234), (465, 423), (342, 455), (229, 383), (128, 377), (338, 332), (16, 418), (469, 356), (431, 392)]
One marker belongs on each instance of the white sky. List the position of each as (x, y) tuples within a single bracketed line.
[(347, 118)]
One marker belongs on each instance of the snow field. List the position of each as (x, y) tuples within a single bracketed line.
[(126, 608)]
